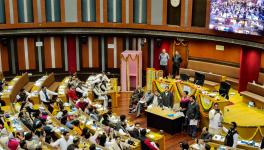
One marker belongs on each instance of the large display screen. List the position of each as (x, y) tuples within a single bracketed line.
[(238, 16)]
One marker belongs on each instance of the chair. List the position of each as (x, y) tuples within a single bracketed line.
[(199, 78), (224, 89), (184, 77)]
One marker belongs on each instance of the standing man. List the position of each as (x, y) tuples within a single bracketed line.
[(215, 120), (177, 60), (164, 57), (231, 138), (193, 114), (167, 98)]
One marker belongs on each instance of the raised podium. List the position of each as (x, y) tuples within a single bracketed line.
[(131, 70)]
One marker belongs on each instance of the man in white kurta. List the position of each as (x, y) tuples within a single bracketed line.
[(215, 119)]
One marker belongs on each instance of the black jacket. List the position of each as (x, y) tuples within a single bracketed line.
[(167, 99)]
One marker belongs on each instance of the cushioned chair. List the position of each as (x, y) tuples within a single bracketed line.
[(199, 78), (224, 89), (184, 77)]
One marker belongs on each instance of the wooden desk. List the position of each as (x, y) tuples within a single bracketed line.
[(159, 119), (62, 89), (14, 86), (113, 96), (241, 146), (157, 138)]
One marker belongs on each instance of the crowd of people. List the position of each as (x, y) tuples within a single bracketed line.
[(107, 130), (238, 15), (190, 108)]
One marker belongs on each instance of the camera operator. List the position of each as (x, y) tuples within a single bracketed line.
[(215, 120)]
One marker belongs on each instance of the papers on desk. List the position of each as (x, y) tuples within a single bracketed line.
[(187, 88), (177, 114), (9, 87), (212, 94), (193, 122), (151, 136), (218, 138)]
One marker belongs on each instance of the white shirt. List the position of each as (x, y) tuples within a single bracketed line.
[(49, 94), (155, 101), (214, 119), (62, 143)]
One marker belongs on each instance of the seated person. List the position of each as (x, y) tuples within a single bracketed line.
[(76, 127), (57, 106), (122, 126), (80, 91), (144, 101), (156, 99), (2, 84), (167, 98), (72, 93), (93, 114), (70, 119), (99, 94), (145, 142), (63, 142), (135, 133), (22, 95), (205, 135), (135, 97), (32, 142), (105, 120), (46, 96), (81, 104)]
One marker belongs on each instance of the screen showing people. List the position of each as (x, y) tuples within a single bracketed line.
[(238, 16)]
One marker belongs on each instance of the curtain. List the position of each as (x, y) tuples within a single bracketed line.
[(250, 60), (71, 47), (164, 44)]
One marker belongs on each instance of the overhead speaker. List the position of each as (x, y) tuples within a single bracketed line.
[(83, 39), (4, 41)]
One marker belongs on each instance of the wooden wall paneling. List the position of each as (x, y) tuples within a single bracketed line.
[(182, 12), (110, 53), (4, 58), (148, 11), (124, 11), (62, 10), (7, 12), (119, 50), (15, 12), (85, 54), (207, 20), (35, 11), (31, 53), (97, 11), (190, 3), (164, 18), (131, 12), (79, 10), (207, 50), (43, 11), (47, 53), (262, 60), (21, 54), (145, 56), (105, 11), (96, 52), (58, 53)]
